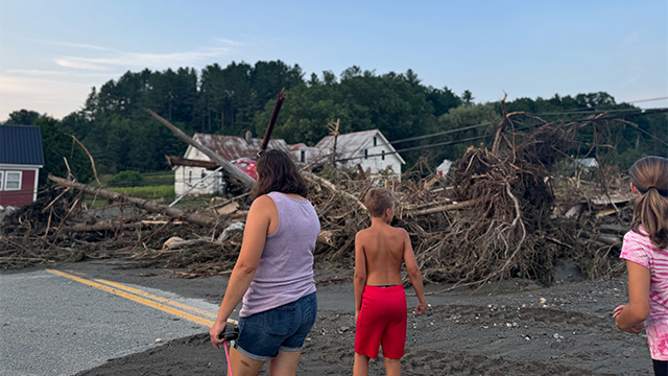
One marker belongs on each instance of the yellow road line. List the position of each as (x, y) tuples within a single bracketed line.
[(157, 298), (137, 299)]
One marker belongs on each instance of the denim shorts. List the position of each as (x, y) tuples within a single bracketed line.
[(283, 328)]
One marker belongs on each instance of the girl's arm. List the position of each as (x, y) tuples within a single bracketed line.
[(255, 234), (360, 274), (414, 274), (630, 316)]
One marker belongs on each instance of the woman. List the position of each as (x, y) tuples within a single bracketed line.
[(274, 273)]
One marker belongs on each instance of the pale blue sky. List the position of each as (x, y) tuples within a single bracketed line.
[(53, 52)]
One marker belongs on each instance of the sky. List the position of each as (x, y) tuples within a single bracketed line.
[(52, 53)]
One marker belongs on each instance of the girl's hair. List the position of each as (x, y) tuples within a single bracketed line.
[(277, 173), (650, 176)]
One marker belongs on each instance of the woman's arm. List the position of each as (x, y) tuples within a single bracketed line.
[(360, 274), (632, 315), (255, 234)]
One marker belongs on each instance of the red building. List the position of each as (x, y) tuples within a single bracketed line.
[(21, 157)]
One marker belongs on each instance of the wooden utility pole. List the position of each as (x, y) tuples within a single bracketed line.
[(233, 170), (274, 115)]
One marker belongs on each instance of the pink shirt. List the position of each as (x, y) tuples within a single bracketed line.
[(639, 249)]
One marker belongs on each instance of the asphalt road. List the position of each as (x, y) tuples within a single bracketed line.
[(53, 324)]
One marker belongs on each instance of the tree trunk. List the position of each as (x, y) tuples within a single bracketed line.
[(150, 206)]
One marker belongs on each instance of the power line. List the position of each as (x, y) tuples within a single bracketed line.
[(441, 133), (450, 131), (593, 110), (646, 100), (610, 117)]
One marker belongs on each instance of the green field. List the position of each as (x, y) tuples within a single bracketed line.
[(150, 192)]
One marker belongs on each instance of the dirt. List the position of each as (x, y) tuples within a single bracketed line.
[(509, 328)]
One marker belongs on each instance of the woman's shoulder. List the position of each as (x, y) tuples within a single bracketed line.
[(262, 203)]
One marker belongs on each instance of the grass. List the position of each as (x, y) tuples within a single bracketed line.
[(156, 186), (149, 192)]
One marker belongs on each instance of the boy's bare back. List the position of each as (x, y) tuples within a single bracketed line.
[(384, 248)]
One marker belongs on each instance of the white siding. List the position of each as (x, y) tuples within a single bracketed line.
[(376, 163), (187, 177)]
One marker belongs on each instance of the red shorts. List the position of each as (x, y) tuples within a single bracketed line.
[(382, 320)]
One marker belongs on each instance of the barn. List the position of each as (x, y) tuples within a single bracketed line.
[(21, 157), (370, 149), (201, 181)]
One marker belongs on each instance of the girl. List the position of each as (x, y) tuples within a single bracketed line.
[(645, 250), (273, 274)]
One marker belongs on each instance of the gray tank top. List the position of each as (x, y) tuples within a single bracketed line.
[(285, 271)]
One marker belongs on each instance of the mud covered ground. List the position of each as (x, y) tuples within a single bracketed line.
[(509, 328)]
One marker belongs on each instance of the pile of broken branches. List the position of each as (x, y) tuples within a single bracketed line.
[(506, 215)]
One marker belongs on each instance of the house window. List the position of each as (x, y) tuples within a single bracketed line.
[(13, 180), (2, 174), (190, 177), (366, 153), (302, 157), (382, 154), (203, 174), (374, 141)]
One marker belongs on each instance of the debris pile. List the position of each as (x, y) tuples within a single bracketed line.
[(506, 213)]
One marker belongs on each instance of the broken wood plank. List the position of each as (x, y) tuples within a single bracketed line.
[(147, 205), (185, 243), (613, 199), (174, 161), (328, 184), (104, 227), (232, 169), (444, 208)]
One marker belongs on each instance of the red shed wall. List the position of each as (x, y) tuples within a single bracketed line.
[(24, 195)]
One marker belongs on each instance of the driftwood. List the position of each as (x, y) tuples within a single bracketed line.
[(147, 205), (185, 243), (440, 209), (104, 227), (326, 183), (173, 161), (233, 170), (113, 226)]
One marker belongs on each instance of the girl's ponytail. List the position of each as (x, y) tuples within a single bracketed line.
[(650, 176)]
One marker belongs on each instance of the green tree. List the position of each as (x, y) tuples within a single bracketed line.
[(22, 117), (467, 98), (57, 145)]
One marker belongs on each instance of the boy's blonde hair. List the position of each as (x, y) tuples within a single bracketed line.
[(378, 200), (650, 176)]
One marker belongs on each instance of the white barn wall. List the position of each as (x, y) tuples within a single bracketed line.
[(183, 182), (376, 163)]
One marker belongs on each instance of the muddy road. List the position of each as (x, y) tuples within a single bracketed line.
[(508, 328)]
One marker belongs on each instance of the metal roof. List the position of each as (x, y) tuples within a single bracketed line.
[(21, 145), (348, 145), (233, 147)]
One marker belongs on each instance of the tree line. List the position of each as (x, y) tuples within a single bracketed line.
[(122, 136)]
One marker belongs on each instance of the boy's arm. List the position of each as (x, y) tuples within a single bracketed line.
[(360, 274), (414, 274)]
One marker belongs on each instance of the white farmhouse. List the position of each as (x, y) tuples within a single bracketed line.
[(370, 149), (231, 148)]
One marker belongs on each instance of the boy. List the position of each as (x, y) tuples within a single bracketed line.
[(380, 300)]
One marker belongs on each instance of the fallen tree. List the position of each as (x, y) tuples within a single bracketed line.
[(150, 206)]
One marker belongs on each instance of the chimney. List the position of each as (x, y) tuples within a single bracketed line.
[(249, 137)]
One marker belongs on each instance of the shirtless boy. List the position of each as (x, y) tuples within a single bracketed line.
[(380, 300)]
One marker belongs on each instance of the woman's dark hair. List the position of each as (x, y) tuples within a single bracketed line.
[(650, 177), (277, 173)]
